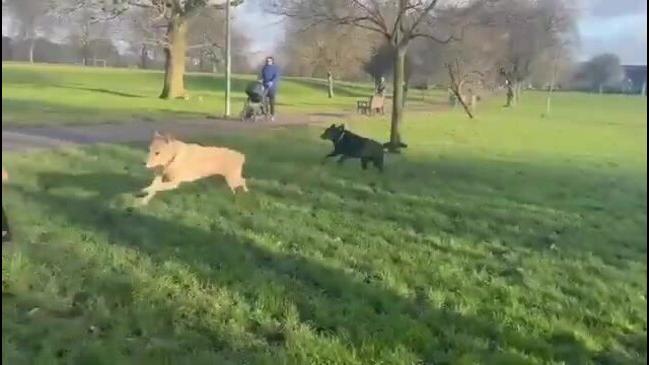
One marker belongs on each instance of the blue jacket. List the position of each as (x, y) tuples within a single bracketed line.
[(270, 73)]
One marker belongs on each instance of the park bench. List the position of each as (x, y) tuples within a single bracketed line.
[(375, 103)]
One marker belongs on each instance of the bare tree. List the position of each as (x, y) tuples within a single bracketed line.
[(602, 70), (459, 77), (32, 17), (521, 43), (205, 37), (322, 49), (172, 18), (471, 65), (398, 21), (559, 30), (533, 33), (87, 27), (146, 33), (380, 63)]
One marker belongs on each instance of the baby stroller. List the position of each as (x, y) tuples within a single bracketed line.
[(256, 104)]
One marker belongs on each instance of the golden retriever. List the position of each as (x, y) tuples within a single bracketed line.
[(176, 162)]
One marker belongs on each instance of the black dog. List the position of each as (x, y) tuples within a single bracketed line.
[(350, 145), (6, 235)]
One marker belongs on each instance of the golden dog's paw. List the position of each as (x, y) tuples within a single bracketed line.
[(140, 194), (124, 201), (141, 202)]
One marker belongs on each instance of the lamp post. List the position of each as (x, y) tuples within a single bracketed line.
[(228, 58)]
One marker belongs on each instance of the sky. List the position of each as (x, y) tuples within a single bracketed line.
[(617, 26), (265, 31)]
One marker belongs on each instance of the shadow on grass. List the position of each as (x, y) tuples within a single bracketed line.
[(215, 83), (344, 89), (18, 113), (330, 115), (112, 184), (101, 91), (362, 313)]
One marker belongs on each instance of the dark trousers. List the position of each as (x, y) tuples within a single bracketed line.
[(5, 227), (270, 93)]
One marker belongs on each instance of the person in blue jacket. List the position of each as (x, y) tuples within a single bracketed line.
[(270, 79)]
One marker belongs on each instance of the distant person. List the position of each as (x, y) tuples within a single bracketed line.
[(270, 79), (380, 87)]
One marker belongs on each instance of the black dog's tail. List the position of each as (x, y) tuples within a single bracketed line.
[(388, 144)]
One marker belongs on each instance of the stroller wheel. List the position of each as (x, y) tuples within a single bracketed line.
[(247, 115)]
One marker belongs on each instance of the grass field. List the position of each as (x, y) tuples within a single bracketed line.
[(511, 239), (50, 94)]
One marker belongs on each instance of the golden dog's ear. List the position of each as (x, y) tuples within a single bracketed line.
[(157, 135), (168, 137)]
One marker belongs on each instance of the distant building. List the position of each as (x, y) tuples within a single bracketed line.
[(635, 77)]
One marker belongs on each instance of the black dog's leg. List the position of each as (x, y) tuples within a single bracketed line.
[(332, 154), (6, 235), (378, 162), (364, 162)]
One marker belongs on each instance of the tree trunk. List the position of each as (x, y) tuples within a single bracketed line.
[(143, 57), (548, 99), (456, 88), (174, 83), (644, 89), (517, 93), (32, 45), (397, 98), (405, 92), (461, 98), (452, 98), (330, 82), (85, 53), (601, 88), (510, 94), (201, 63)]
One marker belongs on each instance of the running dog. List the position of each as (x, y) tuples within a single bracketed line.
[(350, 145), (175, 162)]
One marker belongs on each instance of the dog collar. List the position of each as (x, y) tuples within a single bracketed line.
[(340, 137), (170, 161)]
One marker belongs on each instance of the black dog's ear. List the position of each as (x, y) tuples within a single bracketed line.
[(333, 125), (341, 126)]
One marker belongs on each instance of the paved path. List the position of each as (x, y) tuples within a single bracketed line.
[(29, 138)]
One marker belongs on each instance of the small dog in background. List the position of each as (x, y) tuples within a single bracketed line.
[(350, 145), (6, 234), (176, 162)]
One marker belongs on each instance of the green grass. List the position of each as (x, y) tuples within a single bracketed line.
[(510, 239), (51, 94)]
